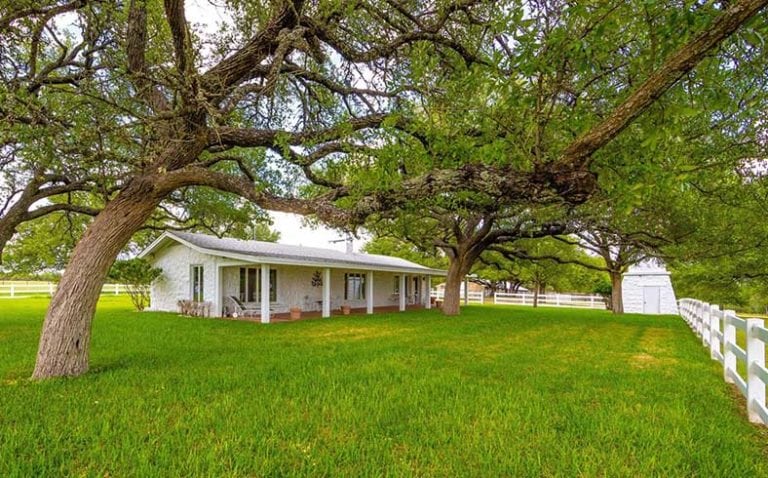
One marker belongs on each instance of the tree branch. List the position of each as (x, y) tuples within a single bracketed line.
[(232, 70), (578, 153), (249, 137), (136, 46), (519, 254), (197, 176), (182, 45)]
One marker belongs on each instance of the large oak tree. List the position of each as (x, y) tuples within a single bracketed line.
[(288, 85)]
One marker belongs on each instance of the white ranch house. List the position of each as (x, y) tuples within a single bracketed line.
[(265, 279)]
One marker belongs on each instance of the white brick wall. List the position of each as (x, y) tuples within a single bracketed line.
[(176, 261)]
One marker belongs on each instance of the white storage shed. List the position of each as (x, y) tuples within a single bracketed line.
[(647, 289)]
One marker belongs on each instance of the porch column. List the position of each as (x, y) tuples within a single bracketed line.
[(369, 292), (428, 303), (265, 293), (327, 292), (466, 290), (217, 309), (402, 292)]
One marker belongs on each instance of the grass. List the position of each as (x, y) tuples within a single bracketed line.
[(507, 391)]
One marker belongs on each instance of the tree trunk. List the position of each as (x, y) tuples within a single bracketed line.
[(617, 303), (66, 334), (457, 269), (536, 296)]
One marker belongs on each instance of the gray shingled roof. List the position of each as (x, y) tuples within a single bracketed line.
[(301, 254)]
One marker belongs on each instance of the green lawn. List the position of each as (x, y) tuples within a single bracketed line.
[(496, 392)]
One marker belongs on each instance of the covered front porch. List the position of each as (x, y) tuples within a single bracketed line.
[(277, 317), (268, 292)]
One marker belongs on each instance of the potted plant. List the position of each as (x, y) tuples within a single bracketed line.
[(346, 309), (295, 312)]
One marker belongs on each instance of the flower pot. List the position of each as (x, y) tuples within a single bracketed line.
[(345, 309), (295, 312)]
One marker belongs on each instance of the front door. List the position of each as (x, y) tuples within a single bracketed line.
[(416, 291), (651, 300)]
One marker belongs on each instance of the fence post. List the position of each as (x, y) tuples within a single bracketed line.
[(12, 291), (729, 337), (50, 289), (692, 315), (494, 298), (557, 299), (117, 289), (700, 321), (591, 301), (705, 320), (523, 294), (482, 297), (755, 358), (714, 328)]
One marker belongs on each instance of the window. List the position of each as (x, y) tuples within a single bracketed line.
[(250, 284), (355, 289), (397, 285), (197, 283), (272, 286)]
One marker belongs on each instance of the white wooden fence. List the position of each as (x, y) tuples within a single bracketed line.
[(526, 298), (551, 300), (12, 289), (718, 331), (472, 297)]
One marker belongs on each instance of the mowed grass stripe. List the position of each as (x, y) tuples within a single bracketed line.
[(498, 391)]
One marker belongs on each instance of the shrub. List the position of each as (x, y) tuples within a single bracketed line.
[(136, 275)]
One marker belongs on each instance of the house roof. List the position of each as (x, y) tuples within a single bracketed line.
[(273, 253)]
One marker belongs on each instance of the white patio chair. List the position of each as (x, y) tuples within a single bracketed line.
[(241, 309)]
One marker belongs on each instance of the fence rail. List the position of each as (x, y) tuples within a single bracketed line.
[(13, 289), (550, 300), (718, 331), (526, 298), (472, 297)]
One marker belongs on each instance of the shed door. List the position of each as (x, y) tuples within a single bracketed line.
[(651, 300)]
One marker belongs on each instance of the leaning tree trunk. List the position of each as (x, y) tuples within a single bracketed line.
[(65, 339), (617, 303), (457, 268)]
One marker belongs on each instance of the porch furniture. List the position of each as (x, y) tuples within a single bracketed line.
[(236, 306)]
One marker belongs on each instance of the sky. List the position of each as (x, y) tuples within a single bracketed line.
[(293, 232)]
